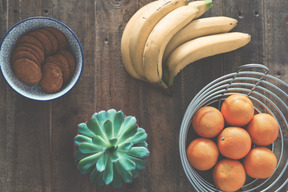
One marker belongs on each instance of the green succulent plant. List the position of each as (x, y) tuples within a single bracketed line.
[(111, 148)]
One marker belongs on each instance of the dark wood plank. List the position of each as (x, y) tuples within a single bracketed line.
[(27, 148), (250, 20), (76, 106), (160, 116), (275, 50), (115, 87), (3, 106)]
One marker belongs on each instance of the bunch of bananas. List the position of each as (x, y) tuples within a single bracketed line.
[(164, 36)]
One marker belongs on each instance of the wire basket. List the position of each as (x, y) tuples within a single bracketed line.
[(269, 95)]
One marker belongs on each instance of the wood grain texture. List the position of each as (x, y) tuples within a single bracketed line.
[(36, 138), (79, 104), (27, 148)]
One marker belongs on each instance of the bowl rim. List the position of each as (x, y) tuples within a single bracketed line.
[(69, 86)]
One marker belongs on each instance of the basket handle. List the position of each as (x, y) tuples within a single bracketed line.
[(253, 65), (247, 66)]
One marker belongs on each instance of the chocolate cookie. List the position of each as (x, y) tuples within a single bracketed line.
[(62, 40), (27, 71), (70, 58), (52, 39), (30, 39), (24, 54), (64, 67), (52, 79), (38, 52), (30, 50), (43, 39)]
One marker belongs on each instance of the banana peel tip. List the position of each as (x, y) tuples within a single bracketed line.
[(209, 4)]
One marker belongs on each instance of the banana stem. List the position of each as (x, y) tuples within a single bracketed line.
[(161, 84), (171, 80)]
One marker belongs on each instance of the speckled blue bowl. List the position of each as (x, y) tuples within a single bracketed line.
[(35, 92)]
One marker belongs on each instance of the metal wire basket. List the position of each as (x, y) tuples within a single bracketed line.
[(269, 95)]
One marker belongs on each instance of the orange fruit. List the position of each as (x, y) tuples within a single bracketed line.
[(208, 122), (260, 163), (234, 142), (229, 175), (202, 154), (263, 129), (238, 110)]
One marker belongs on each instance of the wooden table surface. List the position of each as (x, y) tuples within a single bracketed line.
[(36, 138)]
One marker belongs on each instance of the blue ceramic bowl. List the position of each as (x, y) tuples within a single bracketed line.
[(35, 92)]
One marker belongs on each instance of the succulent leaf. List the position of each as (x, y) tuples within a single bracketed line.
[(139, 137), (125, 174), (78, 155), (139, 152), (135, 174), (141, 144), (81, 138), (113, 141), (117, 181), (129, 132), (114, 157), (125, 146), (84, 130), (108, 172), (102, 116), (140, 163), (102, 162), (128, 121), (111, 113), (111, 148), (94, 126), (118, 120), (99, 179), (100, 141), (89, 161), (86, 171), (93, 175), (108, 128), (89, 148), (127, 163)]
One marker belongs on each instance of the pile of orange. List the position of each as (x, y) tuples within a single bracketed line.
[(233, 142)]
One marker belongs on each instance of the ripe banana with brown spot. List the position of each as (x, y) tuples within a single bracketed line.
[(143, 26), (161, 34), (202, 47), (198, 28)]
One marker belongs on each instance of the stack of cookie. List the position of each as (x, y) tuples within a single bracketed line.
[(42, 56)]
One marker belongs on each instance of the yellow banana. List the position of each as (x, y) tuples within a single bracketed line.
[(161, 34), (202, 47), (144, 25), (159, 38), (125, 40), (198, 28)]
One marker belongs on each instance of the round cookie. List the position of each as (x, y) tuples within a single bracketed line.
[(38, 52), (30, 50), (30, 39), (24, 54), (44, 40), (52, 79), (27, 71), (64, 67), (70, 58), (52, 39), (62, 40)]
